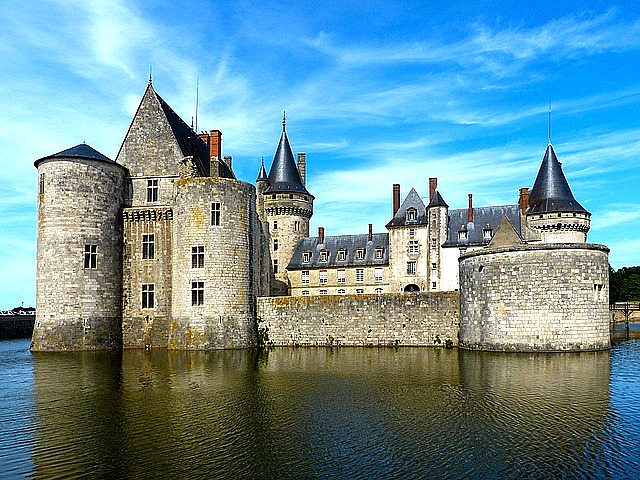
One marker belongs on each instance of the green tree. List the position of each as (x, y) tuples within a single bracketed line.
[(624, 284)]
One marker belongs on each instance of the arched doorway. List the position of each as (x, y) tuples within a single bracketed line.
[(411, 288)]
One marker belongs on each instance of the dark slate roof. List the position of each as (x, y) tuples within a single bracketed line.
[(333, 243), (551, 192), (189, 142), (263, 173), (412, 200), (482, 216), (284, 176), (79, 151), (437, 200)]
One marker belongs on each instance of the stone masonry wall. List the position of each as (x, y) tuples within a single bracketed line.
[(535, 297), (397, 319)]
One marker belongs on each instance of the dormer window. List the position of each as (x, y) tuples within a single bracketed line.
[(379, 253), (306, 257), (360, 254), (412, 215), (487, 232), (342, 255), (462, 233), (324, 256)]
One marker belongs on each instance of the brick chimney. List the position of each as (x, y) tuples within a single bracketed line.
[(320, 235), (371, 232), (470, 211), (524, 199), (396, 198), (302, 167), (213, 139), (433, 186)]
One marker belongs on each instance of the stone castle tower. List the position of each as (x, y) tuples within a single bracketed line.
[(157, 249), (285, 208)]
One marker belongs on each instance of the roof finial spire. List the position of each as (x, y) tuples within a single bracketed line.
[(150, 76), (549, 121), (284, 121)]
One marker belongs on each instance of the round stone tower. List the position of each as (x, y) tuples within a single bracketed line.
[(288, 208), (215, 263), (79, 255)]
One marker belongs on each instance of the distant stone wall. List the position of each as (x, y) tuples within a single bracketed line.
[(545, 297), (396, 319), (17, 326)]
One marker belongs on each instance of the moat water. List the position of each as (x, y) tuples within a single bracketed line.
[(320, 413)]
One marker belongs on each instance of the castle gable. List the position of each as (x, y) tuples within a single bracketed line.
[(404, 217), (308, 253), (505, 235), (158, 140)]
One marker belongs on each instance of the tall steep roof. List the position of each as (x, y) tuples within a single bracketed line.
[(412, 200), (262, 175), (551, 192), (437, 200), (284, 176)]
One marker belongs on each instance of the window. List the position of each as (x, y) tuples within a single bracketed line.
[(379, 252), (275, 245), (152, 190), (412, 232), (275, 265), (90, 256), (412, 215), (304, 277), (273, 196), (306, 257), (324, 256), (597, 291), (434, 266), (378, 291), (323, 292), (411, 268), (341, 276), (433, 243), (360, 254), (305, 293), (413, 246), (323, 277), (378, 275), (360, 275), (148, 295), (197, 293), (291, 196), (359, 291), (41, 183), (148, 246), (433, 285), (341, 291), (215, 213), (462, 233), (197, 256), (275, 224), (342, 255), (433, 215), (296, 226), (487, 232)]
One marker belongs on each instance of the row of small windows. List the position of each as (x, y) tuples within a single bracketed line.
[(341, 291), (341, 255), (341, 276), (290, 196), (296, 225), (148, 297), (148, 253)]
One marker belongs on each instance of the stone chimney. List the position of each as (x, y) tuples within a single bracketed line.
[(433, 186), (470, 212), (302, 168), (524, 200), (371, 232), (396, 198), (320, 235), (228, 160)]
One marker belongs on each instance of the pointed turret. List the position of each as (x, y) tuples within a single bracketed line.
[(262, 175), (437, 201), (284, 176), (551, 192), (553, 210)]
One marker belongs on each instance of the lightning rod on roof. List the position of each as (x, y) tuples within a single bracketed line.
[(150, 76), (197, 100), (549, 121)]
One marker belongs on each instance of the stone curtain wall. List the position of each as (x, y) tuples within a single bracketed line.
[(396, 319), (535, 297)]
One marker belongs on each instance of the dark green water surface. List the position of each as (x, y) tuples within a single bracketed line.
[(319, 413)]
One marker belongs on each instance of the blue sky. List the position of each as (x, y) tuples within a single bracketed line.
[(376, 93)]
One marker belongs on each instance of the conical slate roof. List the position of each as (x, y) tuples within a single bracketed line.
[(551, 192), (263, 173), (79, 151), (284, 176), (437, 200)]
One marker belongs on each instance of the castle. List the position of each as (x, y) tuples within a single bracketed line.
[(165, 248)]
